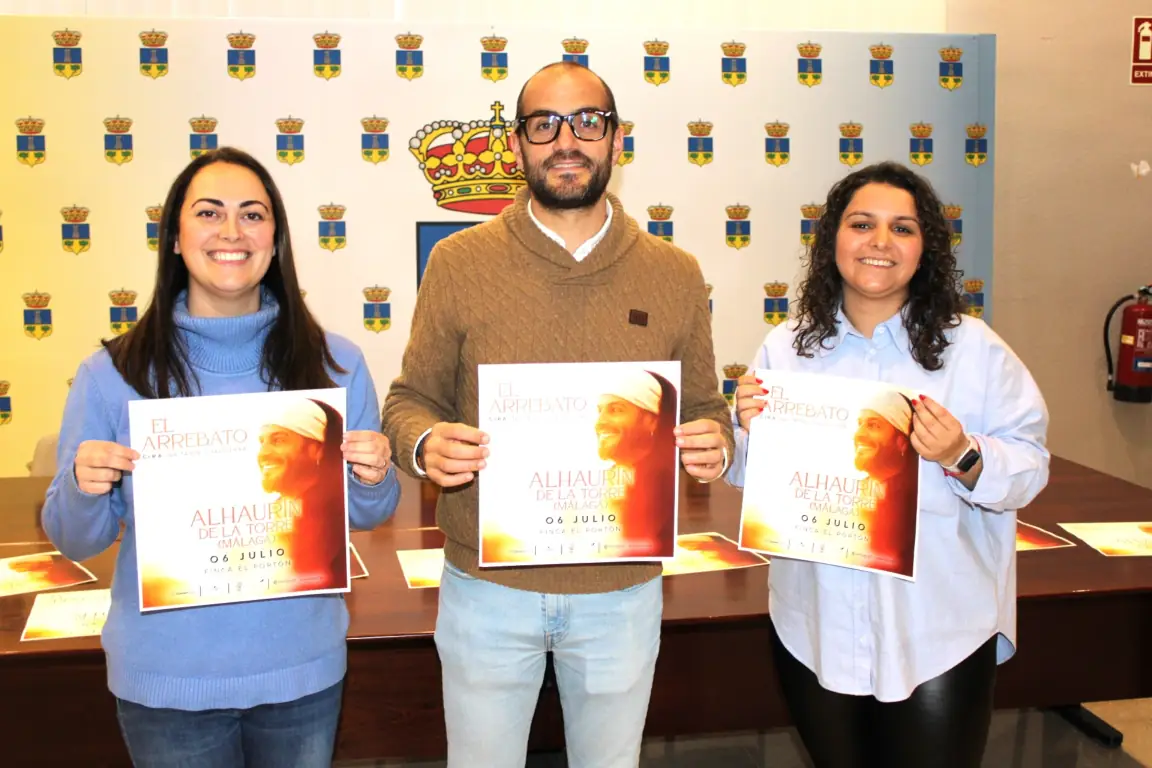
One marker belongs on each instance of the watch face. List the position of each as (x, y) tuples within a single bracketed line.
[(968, 460)]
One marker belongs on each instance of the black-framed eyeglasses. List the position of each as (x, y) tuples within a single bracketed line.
[(544, 127)]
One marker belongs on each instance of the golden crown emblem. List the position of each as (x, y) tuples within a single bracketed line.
[(66, 38), (241, 39), (326, 40), (122, 298), (656, 47), (921, 130), (4, 388), (409, 41), (36, 300), (708, 286), (811, 211), (953, 212), (117, 124), (153, 39), (289, 124), (733, 48), (735, 370), (627, 126), (494, 44), (951, 54), (376, 294), (374, 124), (851, 130), (738, 212), (29, 125), (74, 214), (575, 45), (973, 286), (776, 129), (660, 212), (775, 290), (203, 124), (468, 164), (331, 212), (809, 50), (881, 51), (700, 128), (154, 212), (977, 131)]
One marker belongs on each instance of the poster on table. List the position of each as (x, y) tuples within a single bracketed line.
[(60, 615), (1114, 539), (40, 571), (1030, 537)]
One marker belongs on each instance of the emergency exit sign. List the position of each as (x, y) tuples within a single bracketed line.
[(1141, 64)]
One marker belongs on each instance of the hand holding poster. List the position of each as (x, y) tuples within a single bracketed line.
[(831, 475), (583, 464), (240, 497)]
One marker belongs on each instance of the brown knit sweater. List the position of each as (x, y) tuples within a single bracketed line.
[(503, 292)]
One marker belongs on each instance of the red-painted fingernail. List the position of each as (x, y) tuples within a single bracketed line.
[(923, 397), (759, 380)]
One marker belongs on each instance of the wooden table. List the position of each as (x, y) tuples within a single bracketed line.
[(1085, 632)]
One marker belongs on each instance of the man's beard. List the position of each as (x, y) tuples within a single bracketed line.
[(570, 196)]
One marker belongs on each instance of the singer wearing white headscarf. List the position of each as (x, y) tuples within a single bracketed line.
[(291, 447), (637, 413), (300, 459)]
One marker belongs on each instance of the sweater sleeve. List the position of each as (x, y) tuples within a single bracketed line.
[(368, 505), (700, 395), (79, 524), (425, 391)]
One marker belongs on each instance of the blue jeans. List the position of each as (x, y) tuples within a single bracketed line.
[(493, 642), (294, 734)]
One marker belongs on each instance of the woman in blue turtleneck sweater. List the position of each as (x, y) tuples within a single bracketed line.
[(255, 683)]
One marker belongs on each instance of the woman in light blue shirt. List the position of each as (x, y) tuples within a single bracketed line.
[(877, 670)]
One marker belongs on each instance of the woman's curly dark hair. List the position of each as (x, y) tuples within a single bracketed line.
[(935, 301)]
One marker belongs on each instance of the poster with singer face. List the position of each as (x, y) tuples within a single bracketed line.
[(239, 497), (832, 476), (583, 462)]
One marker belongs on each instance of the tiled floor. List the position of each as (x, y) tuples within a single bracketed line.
[(1019, 739)]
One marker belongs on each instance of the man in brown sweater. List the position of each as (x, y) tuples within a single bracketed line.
[(562, 275)]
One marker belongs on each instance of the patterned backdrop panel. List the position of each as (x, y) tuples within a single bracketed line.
[(385, 139)]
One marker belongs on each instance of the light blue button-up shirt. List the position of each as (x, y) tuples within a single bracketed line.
[(865, 633)]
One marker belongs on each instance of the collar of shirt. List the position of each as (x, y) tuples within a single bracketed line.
[(588, 245), (891, 331)]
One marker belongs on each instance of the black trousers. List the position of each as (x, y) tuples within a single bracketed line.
[(944, 724)]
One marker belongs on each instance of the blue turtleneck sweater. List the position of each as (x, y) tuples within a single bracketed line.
[(228, 656)]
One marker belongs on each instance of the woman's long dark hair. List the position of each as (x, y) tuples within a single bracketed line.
[(935, 301), (152, 358)]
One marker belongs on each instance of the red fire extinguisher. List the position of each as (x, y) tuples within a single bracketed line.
[(1132, 382)]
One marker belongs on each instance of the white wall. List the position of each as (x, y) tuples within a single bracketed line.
[(1071, 232), (737, 15)]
